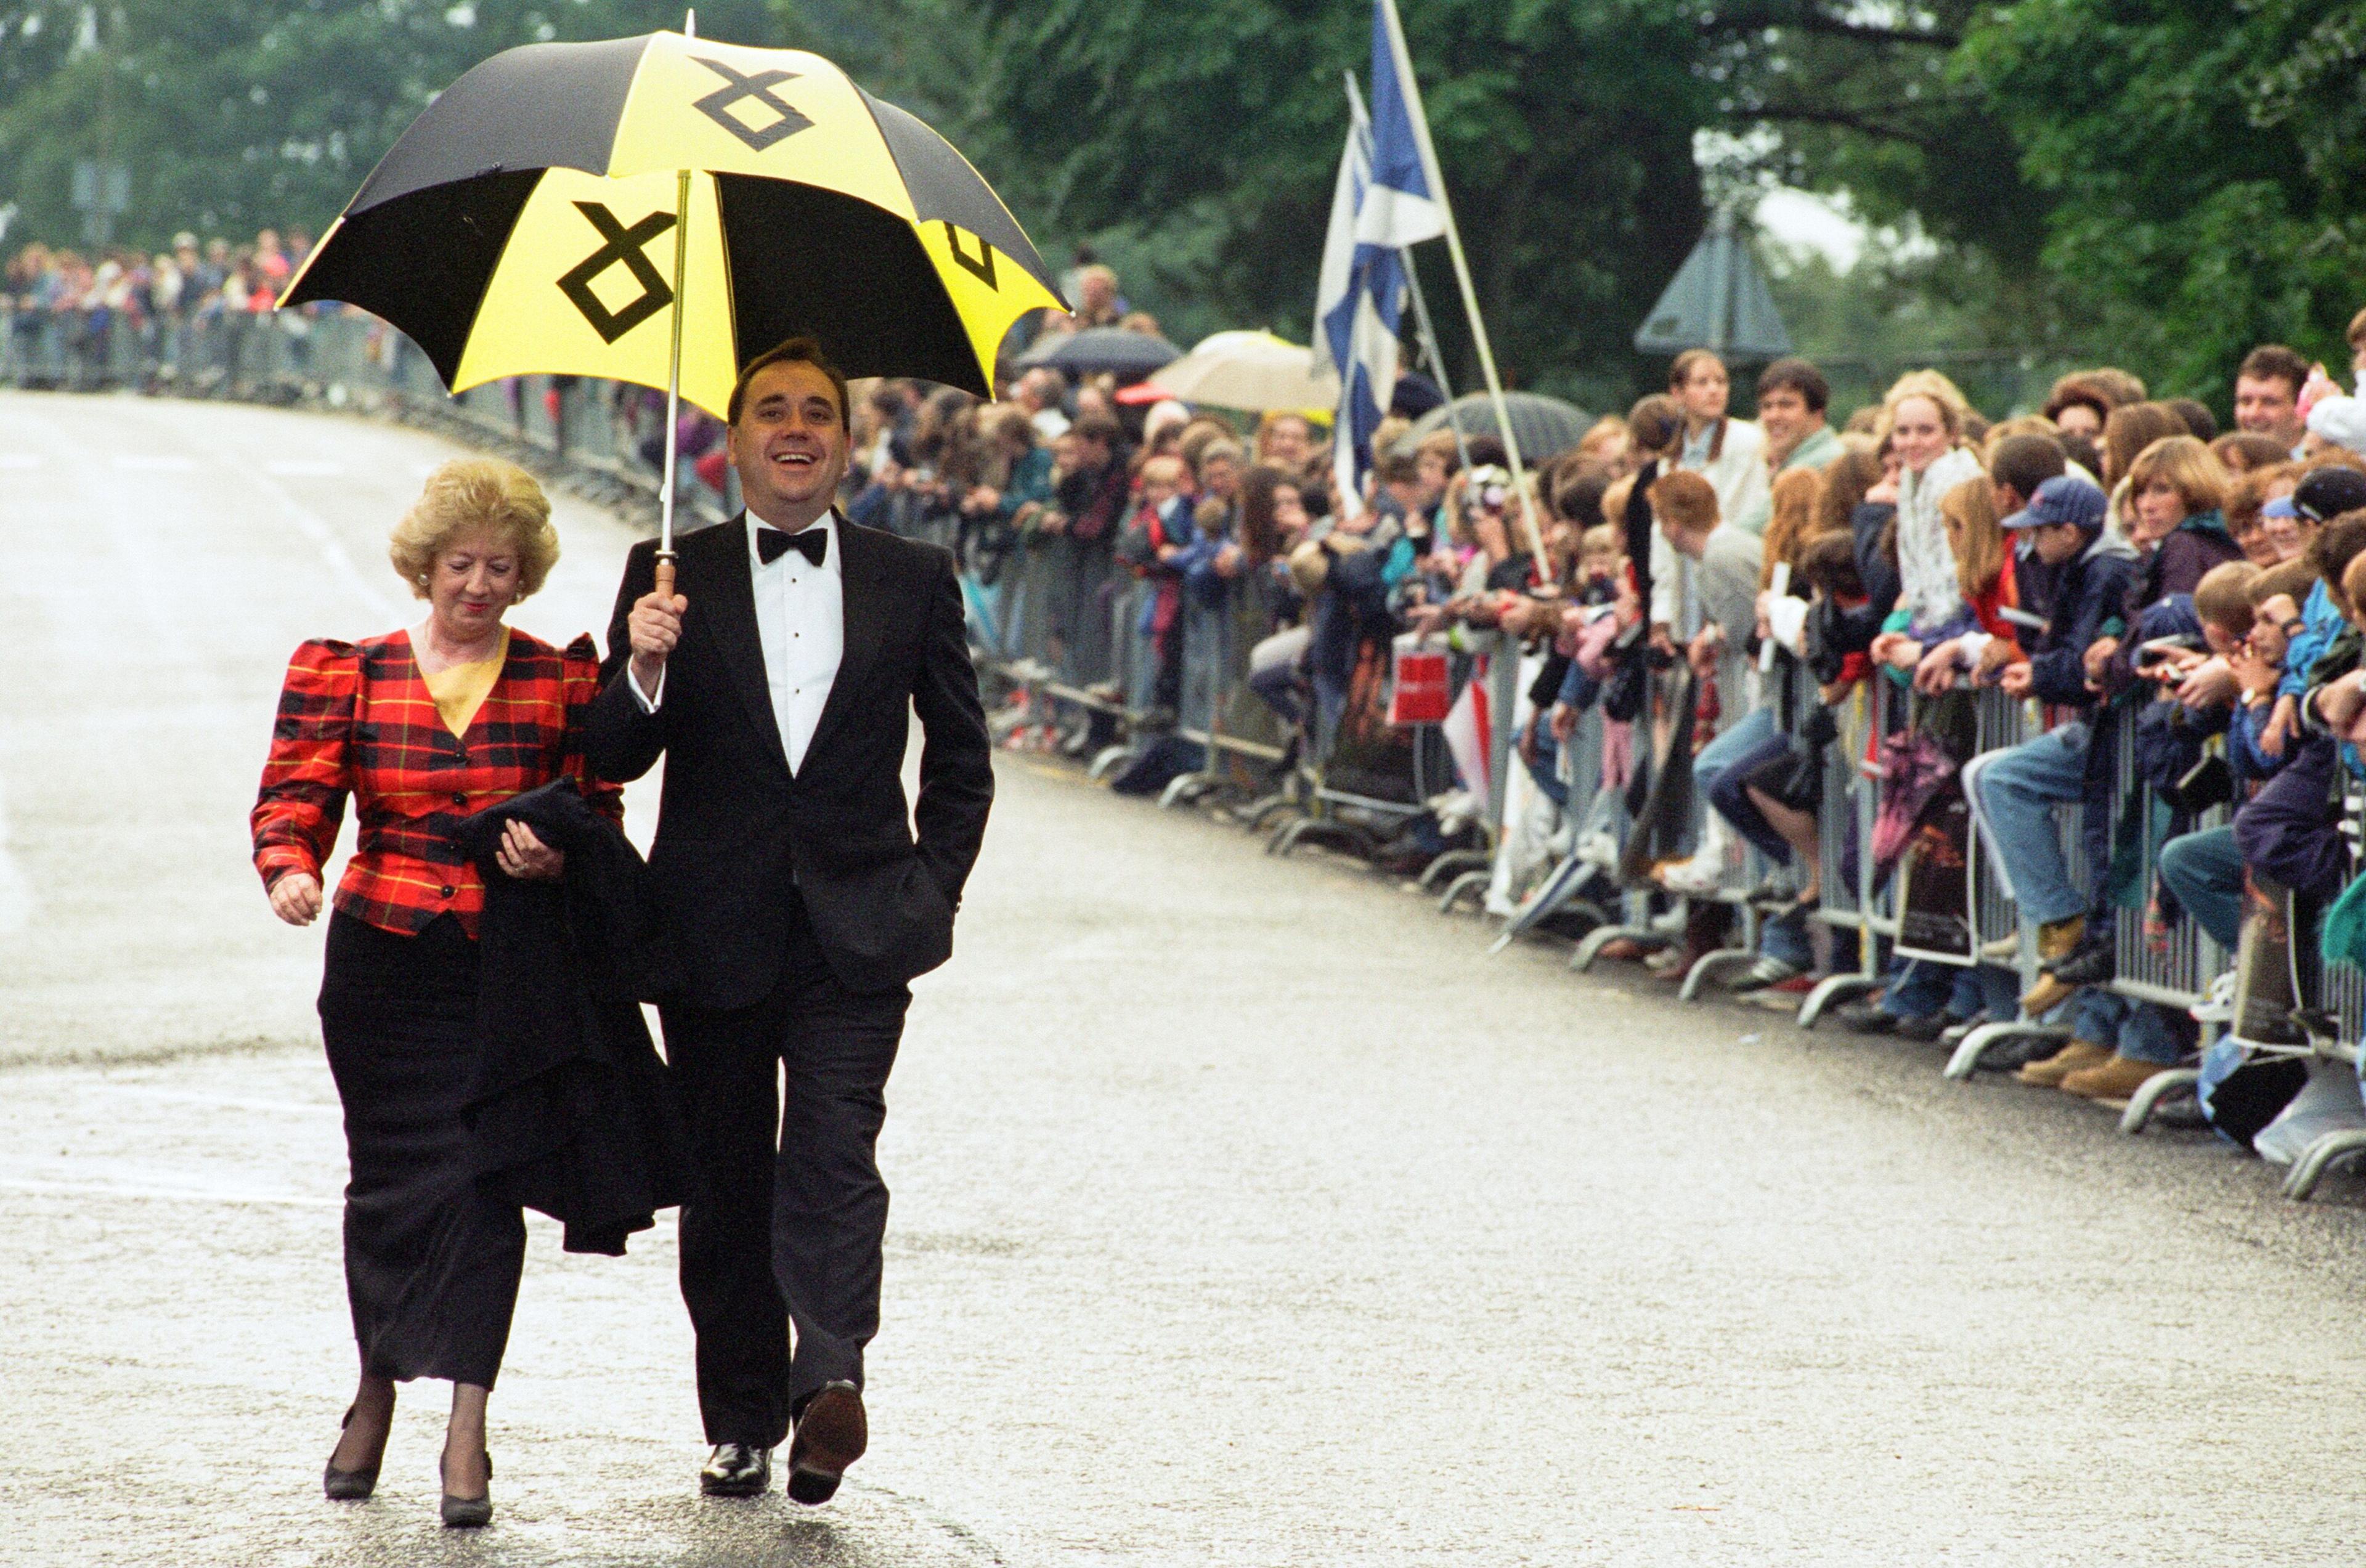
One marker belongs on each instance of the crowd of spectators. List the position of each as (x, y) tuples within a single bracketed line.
[(93, 298), (2118, 561), (1679, 580)]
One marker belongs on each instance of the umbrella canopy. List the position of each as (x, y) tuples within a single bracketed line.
[(1116, 351), (528, 220), (1251, 370), (1544, 426)]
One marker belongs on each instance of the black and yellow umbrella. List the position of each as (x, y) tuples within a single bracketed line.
[(534, 218)]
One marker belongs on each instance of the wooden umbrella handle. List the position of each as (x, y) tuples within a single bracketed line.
[(665, 574)]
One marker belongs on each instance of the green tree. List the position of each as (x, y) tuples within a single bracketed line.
[(1195, 145), (234, 114)]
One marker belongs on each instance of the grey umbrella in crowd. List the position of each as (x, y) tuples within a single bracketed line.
[(1546, 426), (1128, 355)]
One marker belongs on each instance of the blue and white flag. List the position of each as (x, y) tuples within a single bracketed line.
[(1383, 202)]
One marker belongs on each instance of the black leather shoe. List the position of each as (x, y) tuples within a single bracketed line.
[(737, 1469), (1866, 1018), (1928, 1026), (832, 1433), (347, 1486), (467, 1513)]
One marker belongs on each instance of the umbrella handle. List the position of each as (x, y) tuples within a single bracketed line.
[(665, 574)]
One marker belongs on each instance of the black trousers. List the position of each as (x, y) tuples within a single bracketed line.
[(784, 1102), (432, 1259)]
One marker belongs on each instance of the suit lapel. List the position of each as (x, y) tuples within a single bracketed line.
[(862, 593), (728, 591)]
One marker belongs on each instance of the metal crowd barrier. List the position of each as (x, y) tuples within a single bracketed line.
[(591, 432)]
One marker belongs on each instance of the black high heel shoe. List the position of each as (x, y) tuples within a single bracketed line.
[(347, 1486), (467, 1513)]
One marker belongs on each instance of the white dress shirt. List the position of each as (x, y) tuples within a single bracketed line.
[(801, 622)]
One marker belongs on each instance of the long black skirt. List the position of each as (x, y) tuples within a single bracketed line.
[(432, 1260)]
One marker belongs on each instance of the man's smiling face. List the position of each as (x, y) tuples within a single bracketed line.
[(790, 446)]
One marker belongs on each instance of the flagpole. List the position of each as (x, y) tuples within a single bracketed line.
[(1422, 326), (1403, 62), (1436, 356)]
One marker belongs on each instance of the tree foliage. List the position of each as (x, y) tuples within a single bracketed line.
[(234, 114)]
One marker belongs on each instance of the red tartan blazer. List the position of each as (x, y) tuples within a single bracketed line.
[(356, 718)]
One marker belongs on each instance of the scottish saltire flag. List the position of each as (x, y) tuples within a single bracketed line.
[(1384, 200)]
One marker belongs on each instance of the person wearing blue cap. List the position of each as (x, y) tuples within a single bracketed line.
[(2016, 792)]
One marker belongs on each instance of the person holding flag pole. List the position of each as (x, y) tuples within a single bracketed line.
[(1393, 196)]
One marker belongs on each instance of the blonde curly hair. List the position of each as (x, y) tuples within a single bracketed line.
[(474, 495)]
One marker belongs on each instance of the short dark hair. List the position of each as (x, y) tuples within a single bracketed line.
[(2080, 449), (796, 350), (1829, 563), (2338, 543), (1097, 427), (2274, 362), (2025, 462), (2197, 417), (1799, 376)]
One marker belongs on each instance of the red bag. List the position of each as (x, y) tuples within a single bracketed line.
[(1422, 689)]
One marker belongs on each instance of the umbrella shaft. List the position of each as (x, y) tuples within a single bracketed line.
[(673, 383)]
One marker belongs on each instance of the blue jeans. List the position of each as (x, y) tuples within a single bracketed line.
[(2019, 793), (2206, 871), (1734, 751), (2138, 1030)]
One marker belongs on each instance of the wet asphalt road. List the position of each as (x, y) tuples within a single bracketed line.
[(1245, 1213)]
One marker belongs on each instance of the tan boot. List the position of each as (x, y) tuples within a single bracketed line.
[(2050, 992), (2115, 1079), (2074, 1057), (2058, 940)]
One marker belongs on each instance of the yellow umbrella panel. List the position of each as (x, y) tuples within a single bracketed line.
[(527, 222)]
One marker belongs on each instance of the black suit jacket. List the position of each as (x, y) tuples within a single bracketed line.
[(738, 837)]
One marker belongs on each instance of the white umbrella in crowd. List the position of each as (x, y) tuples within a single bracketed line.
[(1253, 371)]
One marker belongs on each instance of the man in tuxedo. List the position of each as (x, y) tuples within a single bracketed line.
[(777, 681)]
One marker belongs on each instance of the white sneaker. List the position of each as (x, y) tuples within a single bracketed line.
[(2328, 1102), (1689, 877), (2219, 1006)]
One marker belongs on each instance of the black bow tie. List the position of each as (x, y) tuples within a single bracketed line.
[(811, 543)]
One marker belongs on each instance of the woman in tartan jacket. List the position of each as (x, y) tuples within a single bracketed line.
[(422, 727)]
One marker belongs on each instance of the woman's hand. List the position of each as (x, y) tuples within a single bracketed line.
[(1885, 491), (2099, 657), (1936, 673), (2016, 679), (1897, 649), (296, 897), (526, 857), (2281, 719)]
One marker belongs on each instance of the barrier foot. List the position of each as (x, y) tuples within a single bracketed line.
[(1345, 834), (1833, 989), (2155, 1090), (1106, 759), (1600, 937), (1473, 881), (2321, 1158), (1259, 814), (1453, 862), (1709, 963), (1973, 1046), (1187, 789)]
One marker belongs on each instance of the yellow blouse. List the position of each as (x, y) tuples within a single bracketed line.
[(461, 690)]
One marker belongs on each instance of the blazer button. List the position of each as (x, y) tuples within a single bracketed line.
[(448, 893), (458, 798)]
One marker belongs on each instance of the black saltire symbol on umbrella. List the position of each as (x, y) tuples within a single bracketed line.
[(501, 231)]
